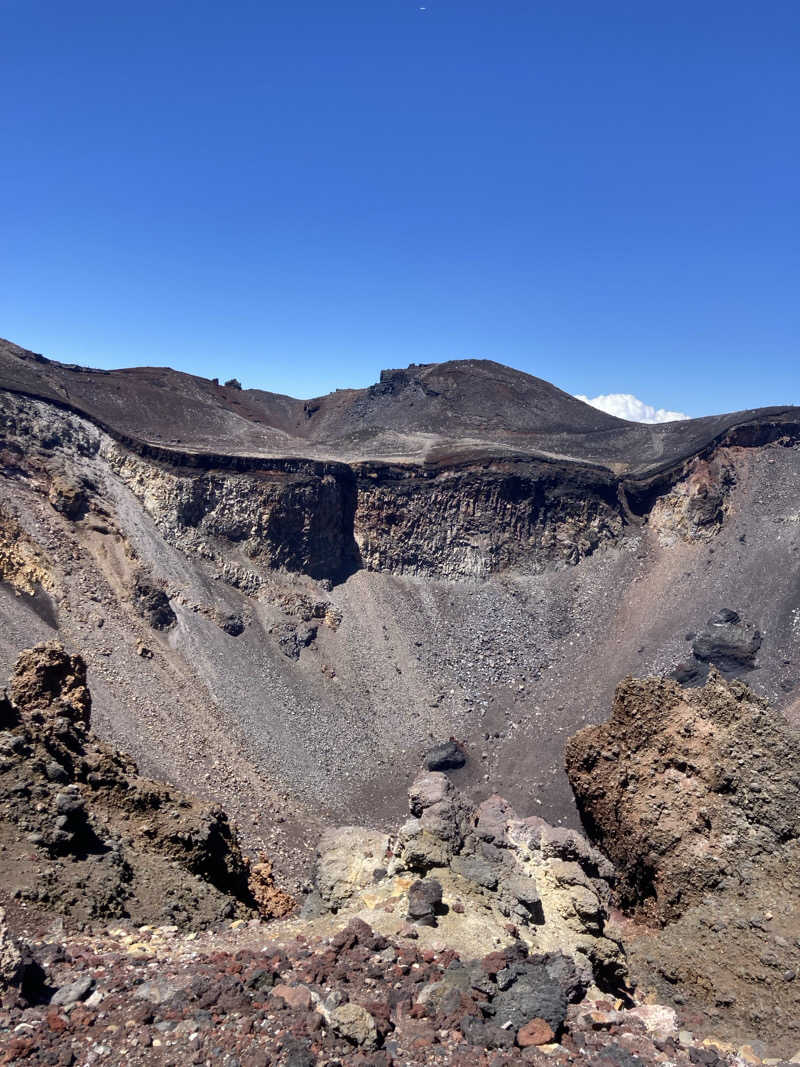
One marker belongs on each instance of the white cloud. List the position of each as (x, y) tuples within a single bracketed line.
[(628, 406)]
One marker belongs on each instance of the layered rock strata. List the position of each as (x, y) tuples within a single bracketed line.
[(460, 508)]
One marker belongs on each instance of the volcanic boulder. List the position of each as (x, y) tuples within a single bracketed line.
[(153, 605), (424, 897), (695, 795), (446, 756), (727, 641)]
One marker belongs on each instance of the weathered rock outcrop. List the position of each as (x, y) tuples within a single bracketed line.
[(695, 796), (83, 835), (22, 564), (483, 877), (695, 508), (684, 788), (474, 520)]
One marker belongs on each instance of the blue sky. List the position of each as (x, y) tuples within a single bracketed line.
[(602, 194)]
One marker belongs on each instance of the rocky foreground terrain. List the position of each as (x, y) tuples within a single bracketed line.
[(469, 935)]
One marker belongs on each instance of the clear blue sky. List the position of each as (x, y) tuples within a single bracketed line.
[(604, 194)]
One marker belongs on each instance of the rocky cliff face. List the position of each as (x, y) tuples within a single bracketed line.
[(325, 520), (475, 520), (693, 793), (452, 471), (294, 515)]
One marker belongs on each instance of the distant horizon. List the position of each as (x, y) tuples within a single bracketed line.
[(604, 197), (623, 405)]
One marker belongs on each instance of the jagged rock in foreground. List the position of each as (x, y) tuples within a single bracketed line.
[(495, 880), (694, 794), (83, 836), (500, 965), (506, 960)]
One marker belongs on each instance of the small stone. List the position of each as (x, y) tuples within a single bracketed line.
[(72, 992), (448, 755), (294, 996), (536, 1032), (55, 772), (423, 898), (354, 1024)]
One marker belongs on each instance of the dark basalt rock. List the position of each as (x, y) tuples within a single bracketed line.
[(447, 756), (293, 639), (476, 869), (153, 605), (424, 897), (727, 641), (233, 625), (540, 987)]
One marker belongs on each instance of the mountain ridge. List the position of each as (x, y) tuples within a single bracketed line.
[(425, 413)]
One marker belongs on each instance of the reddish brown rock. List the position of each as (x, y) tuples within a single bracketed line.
[(536, 1032), (295, 996), (271, 901), (102, 842), (682, 787)]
